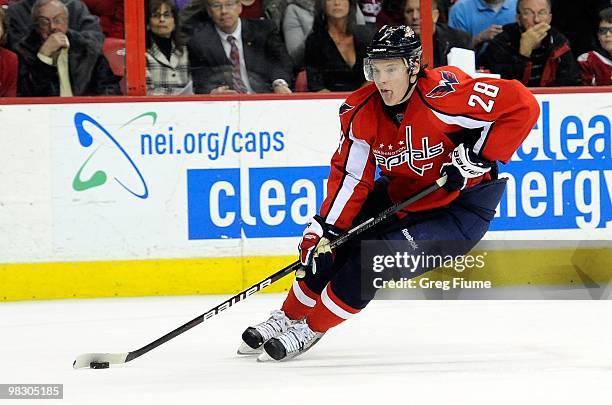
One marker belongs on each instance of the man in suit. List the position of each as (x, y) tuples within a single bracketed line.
[(228, 54)]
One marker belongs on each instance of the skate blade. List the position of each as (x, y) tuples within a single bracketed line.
[(246, 350), (265, 358)]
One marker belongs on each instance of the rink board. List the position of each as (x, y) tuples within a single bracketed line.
[(568, 268), (195, 196)]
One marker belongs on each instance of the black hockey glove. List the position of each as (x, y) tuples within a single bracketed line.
[(464, 164), (314, 248)]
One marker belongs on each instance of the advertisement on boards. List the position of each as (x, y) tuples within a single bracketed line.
[(190, 178), (228, 178)]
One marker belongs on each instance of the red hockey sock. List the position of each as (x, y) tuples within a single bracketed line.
[(299, 301), (329, 311)]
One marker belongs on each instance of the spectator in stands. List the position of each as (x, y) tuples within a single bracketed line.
[(596, 65), (57, 61), (80, 20), (482, 19), (8, 63), (234, 55), (272, 10), (336, 47), (111, 17), (167, 56), (445, 37), (297, 24), (531, 51)]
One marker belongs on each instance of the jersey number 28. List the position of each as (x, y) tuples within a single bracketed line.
[(488, 90)]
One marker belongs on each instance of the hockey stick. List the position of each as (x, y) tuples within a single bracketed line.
[(103, 360)]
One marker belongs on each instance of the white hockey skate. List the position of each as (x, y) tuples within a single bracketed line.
[(295, 341), (254, 337)]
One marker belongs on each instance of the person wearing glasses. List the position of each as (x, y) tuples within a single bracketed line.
[(532, 51), (57, 61), (596, 65), (231, 55), (79, 19), (167, 57), (272, 10)]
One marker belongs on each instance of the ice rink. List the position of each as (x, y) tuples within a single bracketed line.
[(408, 352)]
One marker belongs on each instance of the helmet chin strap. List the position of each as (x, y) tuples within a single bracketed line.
[(409, 89)]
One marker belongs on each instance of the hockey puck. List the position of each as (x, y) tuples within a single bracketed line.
[(102, 364)]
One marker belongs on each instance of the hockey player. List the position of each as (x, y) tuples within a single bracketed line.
[(415, 124)]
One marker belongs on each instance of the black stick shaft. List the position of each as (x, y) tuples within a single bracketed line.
[(214, 311), (352, 233)]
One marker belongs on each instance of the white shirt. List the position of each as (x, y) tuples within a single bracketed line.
[(227, 47)]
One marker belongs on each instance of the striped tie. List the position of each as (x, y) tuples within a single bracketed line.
[(235, 59)]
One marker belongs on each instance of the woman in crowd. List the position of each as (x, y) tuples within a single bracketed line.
[(167, 57), (336, 47), (8, 63), (297, 24)]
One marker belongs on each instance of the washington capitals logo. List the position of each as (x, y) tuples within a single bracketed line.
[(445, 86), (417, 159), (344, 108)]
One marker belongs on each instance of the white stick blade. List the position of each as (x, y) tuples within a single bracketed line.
[(84, 360)]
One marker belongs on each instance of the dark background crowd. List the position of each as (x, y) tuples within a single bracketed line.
[(77, 47)]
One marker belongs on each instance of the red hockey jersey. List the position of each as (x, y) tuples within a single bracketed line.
[(448, 107)]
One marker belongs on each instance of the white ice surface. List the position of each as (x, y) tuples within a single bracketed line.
[(394, 352)]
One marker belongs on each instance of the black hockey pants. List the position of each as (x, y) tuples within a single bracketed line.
[(465, 219)]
